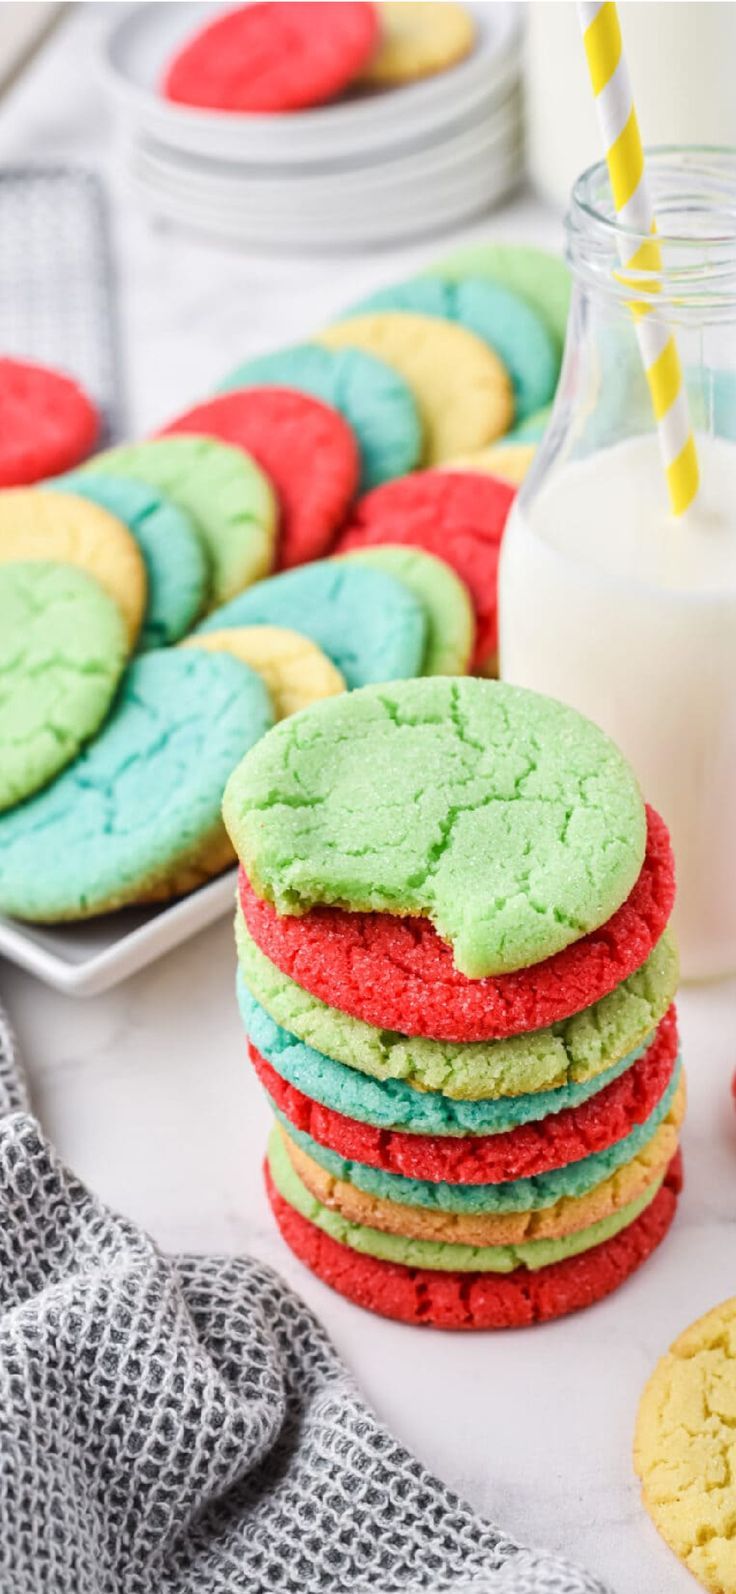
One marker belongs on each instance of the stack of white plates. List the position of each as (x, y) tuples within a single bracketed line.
[(370, 169)]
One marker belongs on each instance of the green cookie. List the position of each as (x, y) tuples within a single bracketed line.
[(513, 823), (229, 500), (443, 1256), (62, 652), (569, 1053), (536, 275), (444, 598)]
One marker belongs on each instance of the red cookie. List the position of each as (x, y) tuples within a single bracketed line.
[(273, 57), (47, 424), (397, 974), (304, 446), (456, 515), (480, 1300), (519, 1153)]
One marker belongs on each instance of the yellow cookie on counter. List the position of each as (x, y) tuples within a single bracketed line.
[(462, 391), (509, 461), (69, 530), (294, 670), (419, 38), (685, 1448)]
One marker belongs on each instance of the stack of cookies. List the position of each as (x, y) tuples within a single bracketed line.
[(457, 983)]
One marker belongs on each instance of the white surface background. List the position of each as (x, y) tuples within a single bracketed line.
[(146, 1091)]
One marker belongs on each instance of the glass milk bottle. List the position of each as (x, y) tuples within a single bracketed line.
[(606, 601)]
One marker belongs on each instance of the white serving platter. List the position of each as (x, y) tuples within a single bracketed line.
[(141, 42), (84, 959)]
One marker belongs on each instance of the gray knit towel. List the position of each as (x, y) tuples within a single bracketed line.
[(183, 1426)]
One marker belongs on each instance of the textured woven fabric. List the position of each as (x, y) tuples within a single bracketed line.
[(182, 1425)]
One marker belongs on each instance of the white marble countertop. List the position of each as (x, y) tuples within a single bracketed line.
[(146, 1090)]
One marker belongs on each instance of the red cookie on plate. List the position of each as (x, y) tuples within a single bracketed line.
[(306, 449), (456, 515), (480, 1300), (47, 424), (396, 973), (273, 57), (520, 1153)]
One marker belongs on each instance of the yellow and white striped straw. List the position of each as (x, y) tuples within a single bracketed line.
[(632, 201)]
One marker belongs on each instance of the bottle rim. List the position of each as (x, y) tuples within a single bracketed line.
[(693, 189)]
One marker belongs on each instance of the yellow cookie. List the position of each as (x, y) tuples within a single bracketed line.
[(295, 671), (509, 461), (419, 38), (462, 390), (685, 1448), (73, 531), (566, 1216)]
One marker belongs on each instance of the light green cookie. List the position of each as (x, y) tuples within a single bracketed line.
[(569, 1053), (442, 1255), (536, 275), (444, 598), (510, 821), (62, 652), (229, 500)]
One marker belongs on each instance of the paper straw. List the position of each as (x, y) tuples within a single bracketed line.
[(633, 205)]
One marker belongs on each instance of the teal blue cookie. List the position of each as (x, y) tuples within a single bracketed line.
[(532, 429), (368, 623), (137, 816), (176, 564), (375, 400), (391, 1103), (510, 326), (516, 1195), (537, 276)]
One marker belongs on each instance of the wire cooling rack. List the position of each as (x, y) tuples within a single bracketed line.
[(57, 287)]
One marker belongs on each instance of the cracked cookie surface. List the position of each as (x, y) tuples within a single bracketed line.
[(506, 818), (685, 1448), (63, 649), (306, 449), (228, 499), (370, 625), (479, 1300), (397, 973), (131, 819)]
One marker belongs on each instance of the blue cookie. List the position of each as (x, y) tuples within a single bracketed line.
[(531, 430), (176, 564), (516, 1195), (137, 816), (370, 625), (375, 400), (391, 1103), (510, 326)]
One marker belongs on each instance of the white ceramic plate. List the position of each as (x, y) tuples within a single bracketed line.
[(409, 178), (140, 44), (444, 206), (84, 959)]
